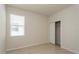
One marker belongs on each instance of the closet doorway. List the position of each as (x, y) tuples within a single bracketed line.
[(57, 33)]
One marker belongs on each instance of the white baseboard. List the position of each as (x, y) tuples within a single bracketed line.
[(26, 46), (73, 51)]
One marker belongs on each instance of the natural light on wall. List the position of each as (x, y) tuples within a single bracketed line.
[(17, 25)]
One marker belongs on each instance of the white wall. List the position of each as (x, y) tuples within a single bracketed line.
[(2, 28), (36, 29), (69, 28)]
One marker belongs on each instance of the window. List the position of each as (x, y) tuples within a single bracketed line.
[(17, 25)]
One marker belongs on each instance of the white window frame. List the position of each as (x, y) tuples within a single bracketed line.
[(20, 33)]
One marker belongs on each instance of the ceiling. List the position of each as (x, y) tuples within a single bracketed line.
[(45, 9)]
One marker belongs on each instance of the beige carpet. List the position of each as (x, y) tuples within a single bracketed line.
[(41, 49)]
